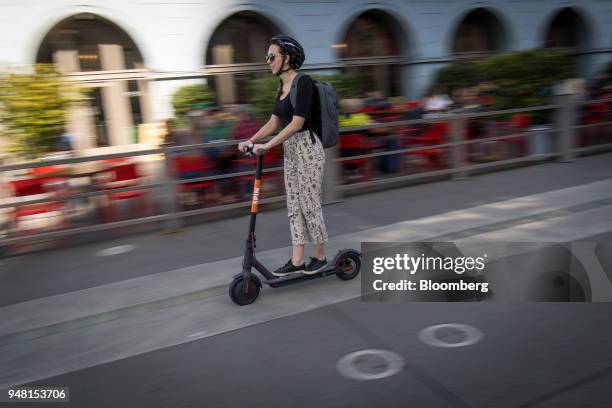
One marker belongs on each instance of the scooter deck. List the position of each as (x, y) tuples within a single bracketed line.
[(300, 277), (273, 281)]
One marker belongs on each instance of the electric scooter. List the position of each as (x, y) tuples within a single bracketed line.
[(246, 285)]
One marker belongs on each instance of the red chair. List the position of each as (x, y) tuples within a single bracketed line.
[(54, 179), (195, 166), (355, 144), (120, 176), (595, 113), (518, 125), (274, 158), (408, 137), (116, 160), (410, 105), (432, 136), (29, 189), (389, 118), (367, 109), (244, 183), (41, 171)]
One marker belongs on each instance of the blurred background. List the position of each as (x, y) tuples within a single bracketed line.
[(106, 89), (124, 201)]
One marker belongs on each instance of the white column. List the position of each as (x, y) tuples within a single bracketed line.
[(115, 100), (67, 61), (79, 120), (145, 105), (225, 84), (145, 102)]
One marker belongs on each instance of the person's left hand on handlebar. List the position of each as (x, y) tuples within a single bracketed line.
[(242, 146)]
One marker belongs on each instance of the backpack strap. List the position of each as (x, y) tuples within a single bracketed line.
[(293, 97), (293, 91)]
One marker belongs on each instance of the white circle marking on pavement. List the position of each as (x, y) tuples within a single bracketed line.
[(348, 365), (472, 335), (116, 250)]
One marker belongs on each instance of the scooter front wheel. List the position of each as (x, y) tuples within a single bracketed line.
[(348, 266), (244, 292)]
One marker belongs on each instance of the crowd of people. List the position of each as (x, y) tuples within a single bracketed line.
[(235, 123), (592, 111), (208, 126)]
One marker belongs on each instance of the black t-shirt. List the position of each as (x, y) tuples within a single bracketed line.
[(306, 98)]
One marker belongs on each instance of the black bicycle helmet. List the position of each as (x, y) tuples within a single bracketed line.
[(289, 46)]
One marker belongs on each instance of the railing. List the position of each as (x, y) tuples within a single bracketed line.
[(565, 136), (254, 67)]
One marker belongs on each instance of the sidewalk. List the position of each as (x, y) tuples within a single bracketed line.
[(64, 270), (487, 222)]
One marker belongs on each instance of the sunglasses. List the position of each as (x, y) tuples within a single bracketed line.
[(270, 57)]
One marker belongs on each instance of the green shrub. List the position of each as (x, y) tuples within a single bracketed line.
[(347, 86), (458, 75), (522, 79), (262, 91), (261, 96), (526, 78), (186, 97)]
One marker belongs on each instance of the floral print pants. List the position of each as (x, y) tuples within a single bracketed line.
[(304, 164)]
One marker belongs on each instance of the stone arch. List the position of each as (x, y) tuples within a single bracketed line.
[(374, 33), (480, 31)]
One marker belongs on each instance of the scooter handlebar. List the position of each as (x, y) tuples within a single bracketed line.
[(249, 151)]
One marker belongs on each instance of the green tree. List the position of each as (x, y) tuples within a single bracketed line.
[(187, 97), (33, 108)]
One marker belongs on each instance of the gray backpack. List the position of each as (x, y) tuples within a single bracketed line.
[(329, 111)]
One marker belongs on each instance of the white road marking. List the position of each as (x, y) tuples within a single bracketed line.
[(472, 335), (116, 250), (351, 364)]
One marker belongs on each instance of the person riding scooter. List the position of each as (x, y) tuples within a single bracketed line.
[(304, 155)]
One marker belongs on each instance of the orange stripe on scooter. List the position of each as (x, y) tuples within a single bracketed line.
[(255, 196)]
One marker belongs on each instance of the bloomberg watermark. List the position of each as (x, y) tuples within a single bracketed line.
[(485, 271)]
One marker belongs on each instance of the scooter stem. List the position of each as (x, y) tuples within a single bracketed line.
[(247, 261), (256, 191)]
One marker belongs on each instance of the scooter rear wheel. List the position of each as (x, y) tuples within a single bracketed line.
[(244, 293), (348, 266)]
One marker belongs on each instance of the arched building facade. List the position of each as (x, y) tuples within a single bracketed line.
[(134, 55)]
